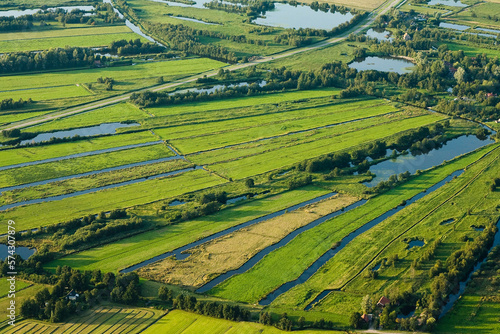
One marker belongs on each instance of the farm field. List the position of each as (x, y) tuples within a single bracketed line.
[(418, 222), (122, 197), (482, 14), (116, 256), (46, 93), (116, 113), (69, 32), (93, 181), (100, 320), (37, 153), (168, 69), (180, 322), (9, 118), (233, 250), (315, 242)]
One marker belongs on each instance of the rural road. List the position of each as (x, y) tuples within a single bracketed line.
[(384, 8)]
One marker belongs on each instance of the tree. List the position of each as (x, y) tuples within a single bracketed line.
[(164, 294), (250, 183), (366, 304), (355, 320), (460, 75)]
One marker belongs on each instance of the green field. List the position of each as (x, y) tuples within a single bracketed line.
[(45, 93), (285, 156), (103, 319), (69, 32), (167, 69), (48, 213), (7, 118), (92, 40), (51, 170), (481, 12), (36, 153), (126, 252), (116, 113), (471, 50), (286, 263), (180, 322)]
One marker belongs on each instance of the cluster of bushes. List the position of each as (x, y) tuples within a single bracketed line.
[(428, 254), (109, 82), (209, 203), (8, 104), (495, 184), (133, 47), (393, 181), (299, 182), (97, 231), (91, 286), (211, 309)]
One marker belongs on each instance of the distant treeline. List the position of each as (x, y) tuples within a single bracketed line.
[(8, 104), (133, 47)]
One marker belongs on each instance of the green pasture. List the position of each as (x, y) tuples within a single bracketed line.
[(5, 286), (7, 118), (181, 322), (50, 170), (481, 11), (167, 69), (48, 213), (288, 262), (61, 42), (42, 94), (363, 249), (132, 250), (68, 32), (472, 50), (115, 113), (199, 137), (240, 102), (27, 154), (285, 156)]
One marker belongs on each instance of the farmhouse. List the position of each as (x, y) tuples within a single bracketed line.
[(72, 295), (407, 37), (367, 317), (383, 301)]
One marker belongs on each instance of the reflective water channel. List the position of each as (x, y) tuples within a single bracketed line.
[(384, 64)]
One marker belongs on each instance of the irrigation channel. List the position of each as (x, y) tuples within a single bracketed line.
[(93, 190), (84, 154), (344, 242), (178, 252), (260, 255)]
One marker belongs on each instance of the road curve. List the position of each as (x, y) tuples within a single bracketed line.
[(384, 8)]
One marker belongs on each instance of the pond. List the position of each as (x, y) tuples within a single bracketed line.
[(17, 13), (380, 34), (213, 89), (459, 27), (24, 252), (287, 16), (175, 203), (451, 3), (236, 199), (412, 163), (415, 243), (384, 64), (102, 129), (447, 221)]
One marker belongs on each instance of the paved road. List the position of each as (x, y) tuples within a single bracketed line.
[(384, 8)]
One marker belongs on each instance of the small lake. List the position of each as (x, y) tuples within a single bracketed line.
[(175, 203), (17, 13), (447, 221), (459, 27), (415, 243), (383, 64), (102, 129), (197, 4), (215, 88), (236, 199), (451, 3), (24, 252), (380, 34), (287, 16), (412, 163)]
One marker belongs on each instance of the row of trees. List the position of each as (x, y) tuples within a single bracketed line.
[(211, 309), (132, 47), (9, 104)]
